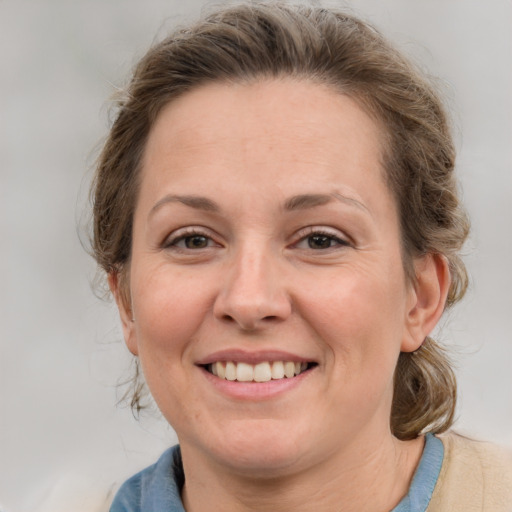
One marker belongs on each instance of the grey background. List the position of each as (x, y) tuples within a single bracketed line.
[(61, 435)]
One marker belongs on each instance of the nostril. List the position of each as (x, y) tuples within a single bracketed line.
[(250, 311), (248, 323)]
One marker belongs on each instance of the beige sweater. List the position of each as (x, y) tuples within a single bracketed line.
[(475, 477)]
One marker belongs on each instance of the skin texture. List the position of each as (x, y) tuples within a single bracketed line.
[(239, 275)]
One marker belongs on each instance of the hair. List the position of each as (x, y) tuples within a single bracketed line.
[(251, 41)]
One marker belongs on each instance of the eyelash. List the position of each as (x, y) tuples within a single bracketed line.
[(188, 233), (304, 236), (311, 232)]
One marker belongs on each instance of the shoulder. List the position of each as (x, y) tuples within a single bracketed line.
[(475, 476), (155, 488)]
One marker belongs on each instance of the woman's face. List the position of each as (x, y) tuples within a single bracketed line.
[(266, 241)]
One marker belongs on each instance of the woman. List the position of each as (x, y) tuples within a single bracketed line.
[(277, 214)]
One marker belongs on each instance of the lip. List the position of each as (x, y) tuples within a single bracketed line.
[(245, 356), (254, 391)]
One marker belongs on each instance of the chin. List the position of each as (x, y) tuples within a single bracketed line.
[(259, 449)]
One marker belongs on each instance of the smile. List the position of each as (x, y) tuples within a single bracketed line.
[(261, 372)]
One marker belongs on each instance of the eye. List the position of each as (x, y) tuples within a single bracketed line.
[(321, 240), (189, 239), (194, 242)]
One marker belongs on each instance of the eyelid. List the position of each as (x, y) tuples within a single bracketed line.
[(343, 239), (180, 234)]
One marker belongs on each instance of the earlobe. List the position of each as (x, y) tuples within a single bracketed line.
[(121, 296), (428, 299)]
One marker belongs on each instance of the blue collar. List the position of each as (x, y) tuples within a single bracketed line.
[(425, 477)]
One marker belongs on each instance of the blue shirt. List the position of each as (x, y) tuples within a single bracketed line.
[(158, 487)]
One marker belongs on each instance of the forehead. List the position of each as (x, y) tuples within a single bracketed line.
[(282, 104), (281, 131)]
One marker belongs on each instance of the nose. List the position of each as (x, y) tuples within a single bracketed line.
[(253, 294)]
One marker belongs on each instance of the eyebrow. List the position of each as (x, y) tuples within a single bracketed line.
[(299, 202), (305, 201), (197, 202)]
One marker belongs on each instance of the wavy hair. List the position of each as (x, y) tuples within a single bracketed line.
[(250, 41)]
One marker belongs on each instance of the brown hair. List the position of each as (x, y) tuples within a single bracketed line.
[(254, 40)]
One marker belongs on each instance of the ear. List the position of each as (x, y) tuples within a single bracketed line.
[(121, 294), (428, 299)]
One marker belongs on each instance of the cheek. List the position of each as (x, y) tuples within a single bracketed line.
[(361, 319), (168, 310), (168, 313)]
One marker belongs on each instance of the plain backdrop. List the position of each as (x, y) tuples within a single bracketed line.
[(61, 433)]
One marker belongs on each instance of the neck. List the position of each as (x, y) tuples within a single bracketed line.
[(372, 478)]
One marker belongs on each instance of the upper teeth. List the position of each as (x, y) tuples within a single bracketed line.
[(261, 372)]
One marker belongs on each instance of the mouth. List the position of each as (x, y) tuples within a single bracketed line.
[(264, 371)]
